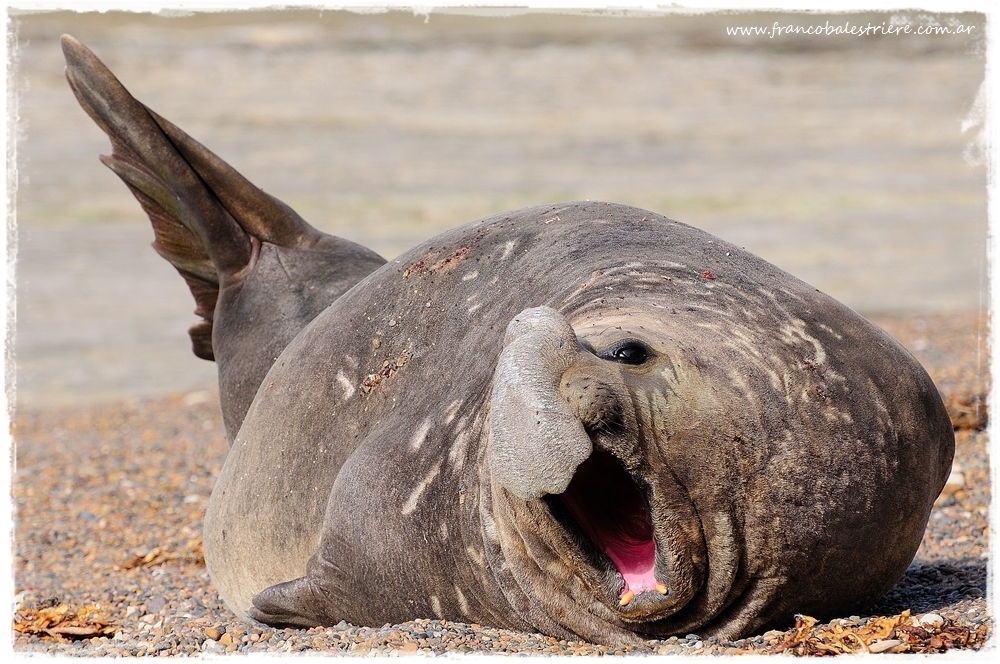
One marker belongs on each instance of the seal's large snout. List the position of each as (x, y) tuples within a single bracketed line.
[(536, 441), (563, 428)]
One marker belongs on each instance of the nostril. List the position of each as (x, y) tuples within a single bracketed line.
[(595, 404)]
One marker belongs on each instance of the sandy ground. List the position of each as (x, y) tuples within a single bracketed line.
[(843, 161)]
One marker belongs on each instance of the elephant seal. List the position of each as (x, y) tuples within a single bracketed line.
[(583, 419)]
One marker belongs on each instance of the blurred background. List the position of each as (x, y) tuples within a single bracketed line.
[(851, 162)]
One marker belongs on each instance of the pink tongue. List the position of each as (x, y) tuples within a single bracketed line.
[(608, 507), (635, 562)]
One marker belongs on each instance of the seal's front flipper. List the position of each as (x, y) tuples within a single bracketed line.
[(295, 603), (258, 272)]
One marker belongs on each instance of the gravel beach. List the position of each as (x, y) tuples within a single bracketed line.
[(843, 162)]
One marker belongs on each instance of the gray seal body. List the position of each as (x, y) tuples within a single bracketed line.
[(582, 419)]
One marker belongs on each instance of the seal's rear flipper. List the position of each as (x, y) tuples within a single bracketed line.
[(288, 604), (258, 272), (193, 230)]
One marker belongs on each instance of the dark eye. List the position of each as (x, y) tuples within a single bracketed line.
[(627, 352)]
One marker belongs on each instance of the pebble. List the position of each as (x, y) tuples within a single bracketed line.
[(932, 620), (882, 646)]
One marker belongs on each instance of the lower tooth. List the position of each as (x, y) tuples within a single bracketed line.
[(627, 597), (661, 588)]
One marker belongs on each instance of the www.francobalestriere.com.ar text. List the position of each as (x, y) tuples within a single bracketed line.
[(848, 28)]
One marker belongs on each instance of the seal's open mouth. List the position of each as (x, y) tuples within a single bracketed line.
[(608, 506)]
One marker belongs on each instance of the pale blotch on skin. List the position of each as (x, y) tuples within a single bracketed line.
[(833, 414), (449, 414), (456, 455), (444, 530), (710, 326), (490, 527), (351, 361), (748, 343), (507, 248), (420, 435), (829, 330), (737, 380), (797, 328), (436, 607), (786, 383), (772, 374), (411, 503), (877, 399), (463, 604), (476, 555), (470, 276), (345, 384)]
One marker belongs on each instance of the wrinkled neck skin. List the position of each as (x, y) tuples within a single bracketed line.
[(621, 555)]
